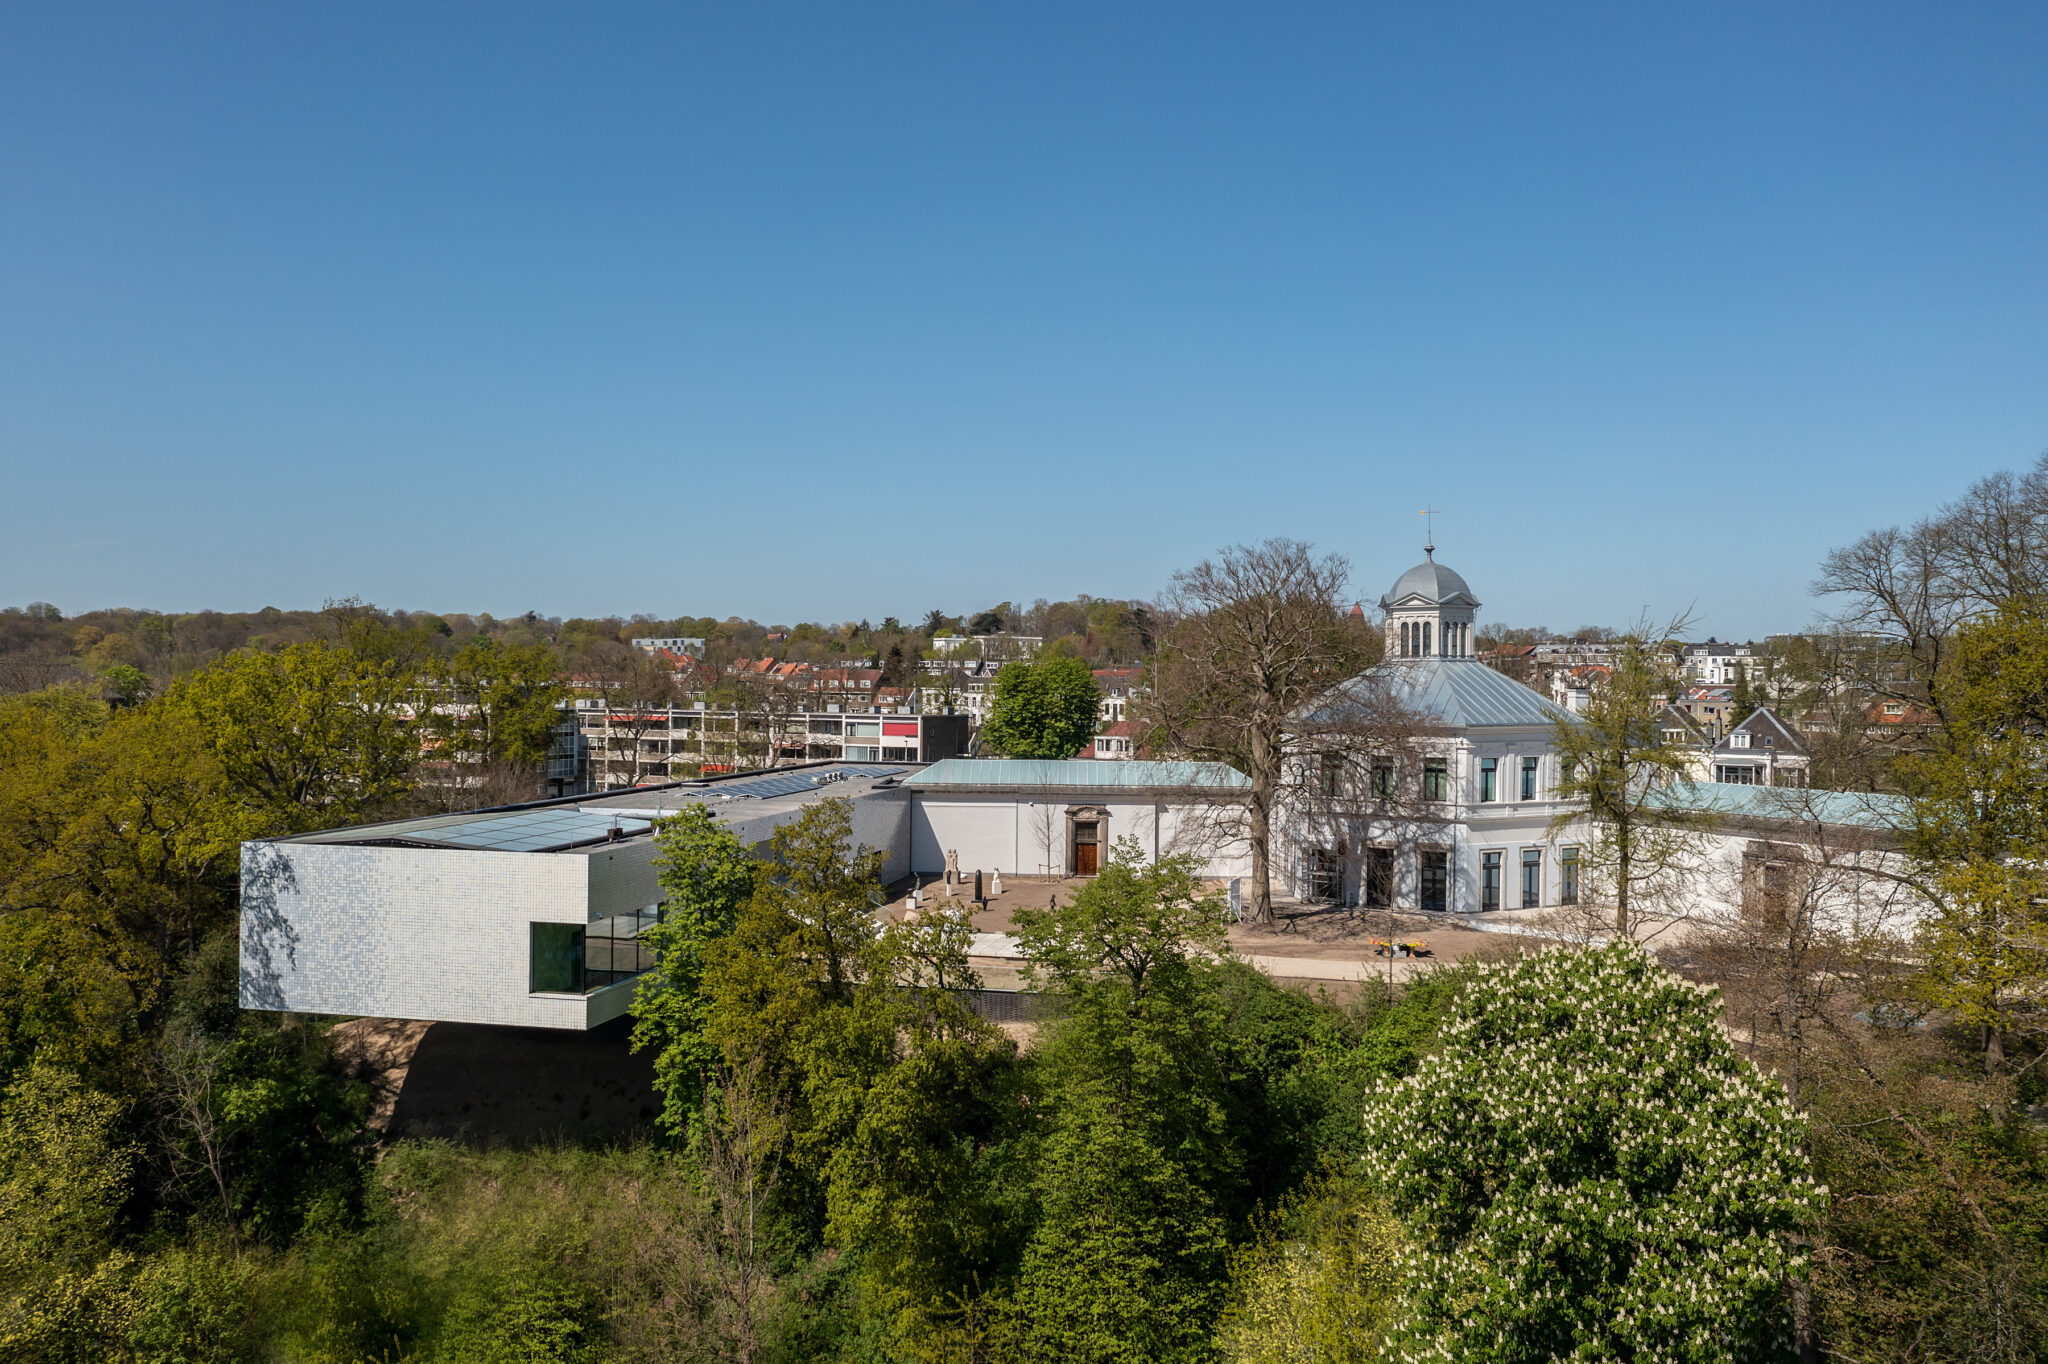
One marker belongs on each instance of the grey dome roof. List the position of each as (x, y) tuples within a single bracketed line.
[(1457, 693), (1434, 584)]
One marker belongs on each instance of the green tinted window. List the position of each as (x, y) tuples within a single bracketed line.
[(557, 959)]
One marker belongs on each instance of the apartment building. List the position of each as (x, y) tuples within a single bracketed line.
[(624, 746)]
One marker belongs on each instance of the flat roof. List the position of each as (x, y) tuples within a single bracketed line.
[(569, 823), (1852, 809), (1092, 773)]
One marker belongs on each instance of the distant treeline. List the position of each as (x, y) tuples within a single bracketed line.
[(40, 646)]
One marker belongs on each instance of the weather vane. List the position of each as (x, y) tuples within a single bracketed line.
[(1428, 515)]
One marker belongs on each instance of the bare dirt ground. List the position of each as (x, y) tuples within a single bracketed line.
[(1306, 931), (1311, 945), (486, 1086)]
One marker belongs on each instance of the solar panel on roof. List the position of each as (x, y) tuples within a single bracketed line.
[(789, 783), (536, 830)]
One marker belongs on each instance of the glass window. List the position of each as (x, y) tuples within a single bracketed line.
[(1528, 779), (1325, 876), (1568, 876), (1379, 878), (1333, 774), (557, 959), (1383, 776), (1436, 881), (1532, 877), (1489, 880), (1488, 770), (613, 949), (1436, 781)]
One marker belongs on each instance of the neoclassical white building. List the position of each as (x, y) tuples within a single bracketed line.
[(1475, 792)]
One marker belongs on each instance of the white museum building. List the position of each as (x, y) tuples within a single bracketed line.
[(1475, 827)]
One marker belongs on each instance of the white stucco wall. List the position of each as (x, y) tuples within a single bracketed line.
[(999, 831)]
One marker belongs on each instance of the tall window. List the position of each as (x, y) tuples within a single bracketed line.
[(1333, 774), (1406, 651), (1568, 876), (1436, 779), (1379, 878), (1325, 876), (1425, 639), (1489, 880), (1436, 881), (1532, 877), (1488, 771), (1383, 777), (1528, 779)]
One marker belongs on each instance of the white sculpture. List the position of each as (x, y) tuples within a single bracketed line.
[(995, 884)]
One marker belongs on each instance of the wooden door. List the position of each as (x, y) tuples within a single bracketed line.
[(1084, 850)]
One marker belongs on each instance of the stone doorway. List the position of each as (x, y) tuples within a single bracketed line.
[(1087, 833)]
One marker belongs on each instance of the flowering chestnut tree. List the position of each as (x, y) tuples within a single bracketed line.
[(1591, 1172)]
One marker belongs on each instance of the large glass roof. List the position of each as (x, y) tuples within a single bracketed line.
[(787, 783), (555, 827), (535, 830), (542, 830)]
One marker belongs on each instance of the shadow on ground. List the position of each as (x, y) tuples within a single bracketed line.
[(489, 1086)]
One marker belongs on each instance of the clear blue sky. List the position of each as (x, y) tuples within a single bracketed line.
[(853, 310)]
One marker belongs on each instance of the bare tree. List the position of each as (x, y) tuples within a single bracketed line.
[(1813, 920), (639, 689), (1617, 769), (768, 709), (1257, 633), (747, 1123), (1912, 588), (1048, 830), (188, 1067), (1359, 774), (37, 668)]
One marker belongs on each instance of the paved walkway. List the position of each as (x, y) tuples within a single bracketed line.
[(1304, 942)]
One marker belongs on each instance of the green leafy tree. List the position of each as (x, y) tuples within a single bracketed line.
[(259, 1131), (1591, 1170), (1126, 1263), (63, 1175), (1742, 704), (313, 735), (194, 1306), (1046, 709), (1980, 834), (910, 1093), (129, 683), (1319, 1281), (707, 877), (118, 839), (499, 703), (1617, 769), (1134, 1145)]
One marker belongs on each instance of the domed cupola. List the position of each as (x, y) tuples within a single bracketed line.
[(1429, 612)]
